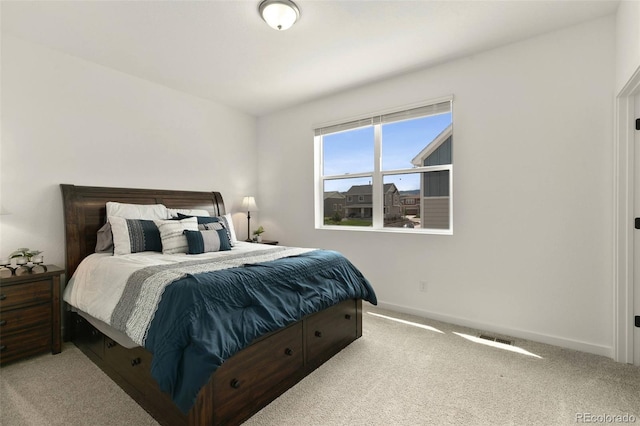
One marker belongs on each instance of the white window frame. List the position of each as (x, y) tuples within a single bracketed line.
[(377, 175)]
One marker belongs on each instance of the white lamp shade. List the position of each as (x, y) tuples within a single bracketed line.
[(279, 14), (249, 204)]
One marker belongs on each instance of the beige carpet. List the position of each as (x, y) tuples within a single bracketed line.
[(64, 389), (407, 372)]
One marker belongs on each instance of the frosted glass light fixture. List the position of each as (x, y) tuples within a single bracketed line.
[(279, 14)]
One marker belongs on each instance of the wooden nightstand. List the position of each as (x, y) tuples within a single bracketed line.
[(30, 314)]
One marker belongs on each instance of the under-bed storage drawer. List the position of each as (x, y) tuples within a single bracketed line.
[(134, 366), (87, 336), (244, 380), (329, 331)]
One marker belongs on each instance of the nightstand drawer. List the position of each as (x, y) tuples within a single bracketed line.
[(29, 342), (25, 294), (24, 318)]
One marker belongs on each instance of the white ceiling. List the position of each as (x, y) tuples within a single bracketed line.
[(223, 51)]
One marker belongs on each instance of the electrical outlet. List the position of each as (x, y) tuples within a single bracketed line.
[(422, 286)]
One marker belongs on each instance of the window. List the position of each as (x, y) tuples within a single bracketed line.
[(398, 166)]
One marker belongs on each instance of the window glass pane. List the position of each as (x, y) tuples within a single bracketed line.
[(348, 202), (348, 152), (417, 142), (401, 201), (423, 200), (435, 201)]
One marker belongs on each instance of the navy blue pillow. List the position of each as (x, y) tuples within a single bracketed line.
[(201, 219)]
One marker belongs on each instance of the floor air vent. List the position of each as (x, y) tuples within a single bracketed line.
[(495, 339)]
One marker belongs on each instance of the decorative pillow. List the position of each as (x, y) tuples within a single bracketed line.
[(201, 219), (187, 212), (104, 243), (217, 226), (172, 234), (137, 211), (134, 235), (228, 223), (208, 240), (225, 220)]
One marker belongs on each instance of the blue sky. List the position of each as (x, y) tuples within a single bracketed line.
[(352, 151)]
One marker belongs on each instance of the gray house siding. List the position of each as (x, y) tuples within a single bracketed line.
[(442, 155), (334, 202), (436, 214), (435, 188)]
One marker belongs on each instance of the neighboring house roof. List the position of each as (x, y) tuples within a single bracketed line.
[(367, 189), (333, 194), (432, 146)]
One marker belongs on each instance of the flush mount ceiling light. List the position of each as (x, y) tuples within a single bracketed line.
[(279, 14)]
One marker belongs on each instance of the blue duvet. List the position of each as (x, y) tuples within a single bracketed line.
[(205, 318)]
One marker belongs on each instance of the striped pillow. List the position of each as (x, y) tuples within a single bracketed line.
[(134, 235), (213, 239), (203, 221), (172, 234)]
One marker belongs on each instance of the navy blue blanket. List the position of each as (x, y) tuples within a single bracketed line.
[(204, 319)]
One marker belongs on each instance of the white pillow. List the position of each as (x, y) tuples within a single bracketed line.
[(187, 212), (137, 211), (172, 235), (232, 231)]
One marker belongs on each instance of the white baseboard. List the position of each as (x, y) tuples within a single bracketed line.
[(507, 331)]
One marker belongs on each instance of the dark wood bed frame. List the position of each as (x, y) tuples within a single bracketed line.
[(246, 382)]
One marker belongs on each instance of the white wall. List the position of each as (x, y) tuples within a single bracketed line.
[(627, 41), (65, 120), (531, 254)]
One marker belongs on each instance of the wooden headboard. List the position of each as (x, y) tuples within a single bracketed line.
[(85, 212)]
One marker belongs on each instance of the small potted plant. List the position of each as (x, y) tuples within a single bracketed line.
[(257, 234)]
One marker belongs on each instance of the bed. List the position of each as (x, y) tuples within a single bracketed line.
[(273, 358)]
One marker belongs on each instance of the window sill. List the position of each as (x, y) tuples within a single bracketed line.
[(387, 230)]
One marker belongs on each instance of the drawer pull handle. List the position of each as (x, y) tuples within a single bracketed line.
[(135, 361), (3, 296), (3, 347), (94, 333), (235, 383), (111, 345), (288, 352), (347, 317), (3, 322), (318, 333)]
